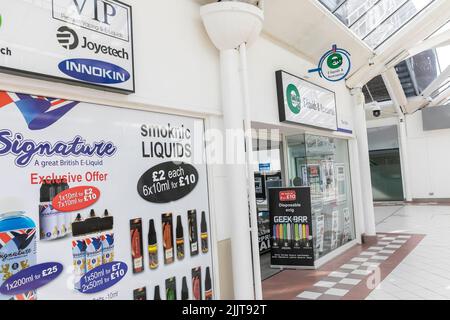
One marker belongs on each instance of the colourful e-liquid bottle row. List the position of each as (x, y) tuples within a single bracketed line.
[(197, 292), (172, 247)]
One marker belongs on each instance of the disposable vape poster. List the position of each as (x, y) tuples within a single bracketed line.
[(328, 180), (291, 227), (107, 203)]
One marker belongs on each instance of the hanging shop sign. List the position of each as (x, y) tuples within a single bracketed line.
[(335, 65), (291, 227), (302, 102), (80, 229), (87, 42)]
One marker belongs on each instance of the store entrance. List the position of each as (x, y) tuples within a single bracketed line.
[(268, 164)]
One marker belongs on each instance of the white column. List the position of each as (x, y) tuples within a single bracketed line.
[(233, 116), (403, 140), (364, 162)]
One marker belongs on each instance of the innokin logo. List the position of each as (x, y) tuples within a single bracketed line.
[(94, 71)]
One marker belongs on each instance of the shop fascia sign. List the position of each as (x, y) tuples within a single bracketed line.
[(302, 102), (82, 42), (335, 65)]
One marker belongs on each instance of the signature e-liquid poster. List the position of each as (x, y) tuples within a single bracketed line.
[(101, 199), (291, 227)]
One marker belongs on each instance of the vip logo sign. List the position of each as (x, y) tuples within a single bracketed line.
[(92, 42), (103, 16), (335, 65)]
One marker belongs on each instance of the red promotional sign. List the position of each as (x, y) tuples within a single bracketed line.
[(76, 198), (289, 195)]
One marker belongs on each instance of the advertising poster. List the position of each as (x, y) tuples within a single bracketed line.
[(86, 42), (291, 227), (102, 210), (328, 180)]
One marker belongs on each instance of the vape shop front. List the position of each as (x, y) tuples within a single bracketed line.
[(99, 202), (305, 204)]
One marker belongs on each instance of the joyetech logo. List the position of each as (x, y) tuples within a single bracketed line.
[(67, 38)]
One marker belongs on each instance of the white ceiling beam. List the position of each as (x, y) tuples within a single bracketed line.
[(395, 90), (421, 27), (431, 43), (441, 98), (437, 83)]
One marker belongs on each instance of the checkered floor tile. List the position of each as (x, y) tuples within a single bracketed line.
[(341, 281)]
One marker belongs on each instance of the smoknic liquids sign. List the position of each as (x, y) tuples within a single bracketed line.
[(88, 42), (302, 102)]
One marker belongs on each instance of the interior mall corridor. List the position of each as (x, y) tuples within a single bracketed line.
[(425, 272)]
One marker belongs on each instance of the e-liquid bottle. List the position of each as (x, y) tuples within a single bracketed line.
[(136, 245), (180, 239), (157, 295), (193, 232), (171, 289), (208, 285), (184, 290), (167, 231), (152, 246), (204, 233), (48, 222), (17, 249), (60, 216)]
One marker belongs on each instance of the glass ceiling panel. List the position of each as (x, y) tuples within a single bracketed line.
[(375, 21)]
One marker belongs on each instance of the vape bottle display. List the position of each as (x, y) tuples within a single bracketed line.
[(184, 290), (136, 245), (140, 294), (17, 249), (152, 246), (197, 283), (48, 220), (79, 260), (171, 289), (167, 231), (180, 239), (208, 285), (157, 294), (204, 233), (193, 232)]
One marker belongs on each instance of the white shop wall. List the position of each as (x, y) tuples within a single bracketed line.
[(428, 155)]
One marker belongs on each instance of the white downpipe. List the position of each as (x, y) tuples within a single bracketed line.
[(250, 173), (364, 162), (233, 115)]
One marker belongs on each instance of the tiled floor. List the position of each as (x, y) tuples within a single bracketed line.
[(425, 272)]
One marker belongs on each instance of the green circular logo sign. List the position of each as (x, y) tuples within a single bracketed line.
[(335, 60), (293, 99)]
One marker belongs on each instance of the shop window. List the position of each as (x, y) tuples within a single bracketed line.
[(322, 163)]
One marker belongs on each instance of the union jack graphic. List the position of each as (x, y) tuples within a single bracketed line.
[(39, 112), (22, 238)]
